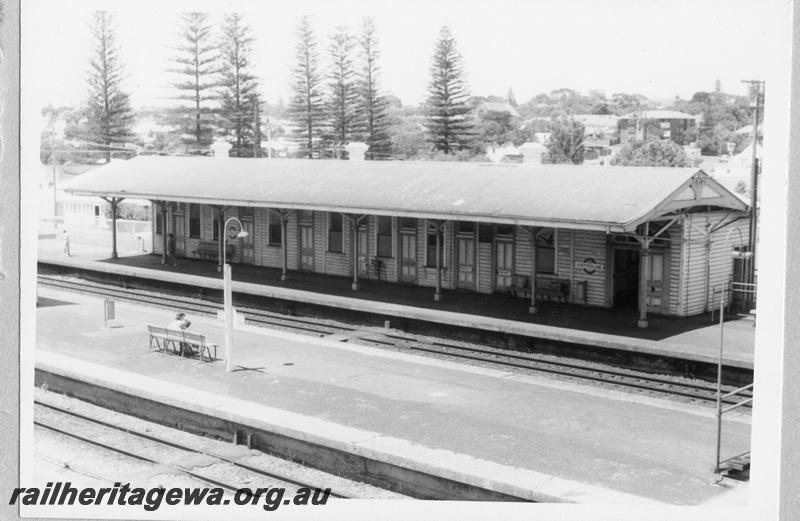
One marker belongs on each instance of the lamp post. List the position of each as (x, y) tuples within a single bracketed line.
[(241, 233)]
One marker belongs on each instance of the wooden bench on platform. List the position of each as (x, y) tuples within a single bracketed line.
[(181, 342), (209, 250), (546, 287)]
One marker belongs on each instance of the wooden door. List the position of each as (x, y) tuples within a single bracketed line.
[(655, 282), (408, 257), (504, 264), (363, 251), (466, 262), (306, 247), (248, 254), (180, 235)]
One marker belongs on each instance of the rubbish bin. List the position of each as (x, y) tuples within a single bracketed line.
[(581, 291)]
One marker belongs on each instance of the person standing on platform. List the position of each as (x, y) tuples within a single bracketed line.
[(65, 237), (171, 250)]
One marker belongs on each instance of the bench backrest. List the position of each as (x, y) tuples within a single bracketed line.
[(157, 330)]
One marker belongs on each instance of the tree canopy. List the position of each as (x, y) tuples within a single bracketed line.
[(108, 114), (238, 85), (307, 107), (566, 142), (449, 124), (652, 153), (195, 64), (343, 93), (373, 104)]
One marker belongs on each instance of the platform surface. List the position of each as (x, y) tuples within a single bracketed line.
[(586, 442), (691, 338)]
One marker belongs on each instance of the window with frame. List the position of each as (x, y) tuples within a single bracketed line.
[(214, 227), (247, 213), (408, 223), (194, 221), (506, 230), (335, 236), (305, 216), (430, 250), (384, 236), (466, 227), (546, 251), (274, 238)]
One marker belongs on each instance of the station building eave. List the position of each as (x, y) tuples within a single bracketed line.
[(610, 199)]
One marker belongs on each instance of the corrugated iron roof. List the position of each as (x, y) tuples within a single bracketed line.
[(586, 197)]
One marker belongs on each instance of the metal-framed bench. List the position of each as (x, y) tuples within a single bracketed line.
[(178, 341), (209, 250), (546, 288), (552, 288)]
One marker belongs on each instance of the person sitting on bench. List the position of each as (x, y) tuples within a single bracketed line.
[(179, 324)]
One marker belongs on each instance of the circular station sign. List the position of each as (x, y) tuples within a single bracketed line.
[(233, 229), (589, 266)]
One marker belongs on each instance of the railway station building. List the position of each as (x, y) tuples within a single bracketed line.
[(661, 240)]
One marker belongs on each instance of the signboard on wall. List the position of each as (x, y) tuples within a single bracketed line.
[(589, 266)]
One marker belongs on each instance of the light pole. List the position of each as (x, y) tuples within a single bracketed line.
[(227, 288)]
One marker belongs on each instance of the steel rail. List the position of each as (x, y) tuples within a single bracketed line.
[(168, 443)]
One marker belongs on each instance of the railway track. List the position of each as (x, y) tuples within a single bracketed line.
[(675, 387), (179, 453), (206, 306)]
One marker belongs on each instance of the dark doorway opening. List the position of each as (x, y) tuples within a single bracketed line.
[(626, 278)]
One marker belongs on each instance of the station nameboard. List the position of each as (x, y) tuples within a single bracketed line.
[(590, 266)]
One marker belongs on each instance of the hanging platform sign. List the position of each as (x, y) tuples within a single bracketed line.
[(589, 266), (233, 229)]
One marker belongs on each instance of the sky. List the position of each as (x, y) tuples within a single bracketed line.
[(657, 48)]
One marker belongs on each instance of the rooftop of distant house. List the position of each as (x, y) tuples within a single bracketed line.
[(659, 114), (597, 120), (501, 107)]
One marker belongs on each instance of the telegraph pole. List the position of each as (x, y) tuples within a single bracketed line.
[(757, 87), (55, 176)]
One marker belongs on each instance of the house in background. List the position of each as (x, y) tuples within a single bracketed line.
[(657, 124), (86, 217), (603, 126), (492, 108), (596, 148)]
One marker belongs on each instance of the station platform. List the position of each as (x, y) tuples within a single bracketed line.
[(536, 436), (692, 338)]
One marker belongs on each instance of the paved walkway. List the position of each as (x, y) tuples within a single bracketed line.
[(681, 336), (626, 445)]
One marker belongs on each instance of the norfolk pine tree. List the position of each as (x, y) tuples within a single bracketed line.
[(373, 106), (450, 126), (238, 84), (343, 90), (108, 111), (196, 63), (307, 106)]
